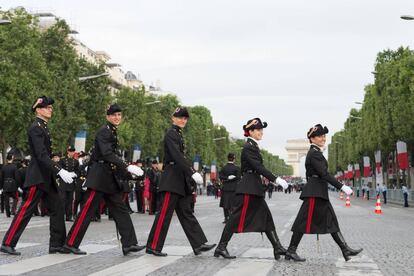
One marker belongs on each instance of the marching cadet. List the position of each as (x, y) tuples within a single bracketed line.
[(41, 183), (9, 184), (251, 213), (153, 176), (139, 189), (175, 188), (316, 215), (66, 190), (229, 176), (79, 189), (102, 183)]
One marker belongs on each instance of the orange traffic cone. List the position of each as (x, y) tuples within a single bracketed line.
[(341, 196), (378, 206), (347, 202)]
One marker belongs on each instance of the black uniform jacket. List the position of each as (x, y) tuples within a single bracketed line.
[(41, 170), (317, 175), (252, 168), (105, 165), (229, 169), (176, 176), (21, 176), (153, 177), (71, 165), (8, 178)]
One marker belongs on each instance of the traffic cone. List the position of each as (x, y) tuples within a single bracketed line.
[(378, 206), (347, 202), (341, 196)]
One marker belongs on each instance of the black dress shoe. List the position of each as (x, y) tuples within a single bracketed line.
[(132, 248), (60, 249), (9, 250), (73, 250), (203, 248), (155, 252)]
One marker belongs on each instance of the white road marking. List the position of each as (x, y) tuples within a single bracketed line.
[(246, 267), (358, 266), (31, 264)]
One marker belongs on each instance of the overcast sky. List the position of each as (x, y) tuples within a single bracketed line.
[(292, 63)]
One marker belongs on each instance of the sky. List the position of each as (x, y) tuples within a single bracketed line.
[(292, 63)]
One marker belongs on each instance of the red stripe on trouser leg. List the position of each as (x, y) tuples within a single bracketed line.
[(160, 220), (243, 213), (310, 214), (81, 218), (21, 215)]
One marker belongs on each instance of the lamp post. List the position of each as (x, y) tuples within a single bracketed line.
[(355, 117), (407, 17), (5, 22), (93, 77), (153, 102)]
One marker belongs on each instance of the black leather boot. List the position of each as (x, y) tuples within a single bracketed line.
[(221, 249), (291, 252), (278, 249), (347, 252)]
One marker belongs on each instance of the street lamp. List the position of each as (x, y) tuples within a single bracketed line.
[(355, 117), (5, 22), (407, 17), (93, 77), (219, 138), (358, 103), (154, 102)]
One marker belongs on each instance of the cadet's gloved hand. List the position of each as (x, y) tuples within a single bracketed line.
[(282, 182), (346, 190), (84, 188), (20, 190), (66, 176), (135, 170), (197, 178), (1, 191), (230, 177)]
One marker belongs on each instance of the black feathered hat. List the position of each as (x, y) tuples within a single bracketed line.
[(42, 102), (255, 123), (317, 130), (113, 108), (181, 112)]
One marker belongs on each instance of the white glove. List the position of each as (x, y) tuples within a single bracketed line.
[(135, 170), (84, 188), (66, 176), (282, 182), (197, 178), (20, 190), (230, 177), (346, 189), (1, 191)]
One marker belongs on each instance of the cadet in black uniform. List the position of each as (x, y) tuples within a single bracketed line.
[(153, 176), (139, 189), (9, 185), (176, 191), (229, 176), (40, 179), (102, 182), (251, 213), (316, 215), (21, 176), (79, 189), (66, 190)]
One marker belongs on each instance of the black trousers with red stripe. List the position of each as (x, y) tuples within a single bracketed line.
[(26, 210), (118, 210), (182, 206)]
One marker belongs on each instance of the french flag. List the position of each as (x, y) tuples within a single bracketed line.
[(402, 155), (357, 171), (367, 166), (378, 161)]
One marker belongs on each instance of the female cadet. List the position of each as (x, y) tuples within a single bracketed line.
[(316, 215), (251, 213)]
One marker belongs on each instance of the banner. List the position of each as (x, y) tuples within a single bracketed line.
[(213, 171), (378, 171), (357, 171), (80, 141), (367, 166), (402, 155), (136, 154), (349, 173)]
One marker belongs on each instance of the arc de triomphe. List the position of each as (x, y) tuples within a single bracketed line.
[(296, 149)]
